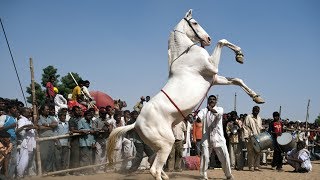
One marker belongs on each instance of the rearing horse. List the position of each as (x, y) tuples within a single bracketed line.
[(192, 71)]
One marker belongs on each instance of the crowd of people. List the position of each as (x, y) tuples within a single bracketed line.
[(217, 138)]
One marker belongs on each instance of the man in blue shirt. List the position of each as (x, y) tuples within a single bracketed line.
[(10, 126), (86, 141)]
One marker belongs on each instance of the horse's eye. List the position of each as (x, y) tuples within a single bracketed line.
[(194, 23)]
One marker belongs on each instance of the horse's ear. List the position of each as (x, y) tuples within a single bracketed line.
[(189, 14)]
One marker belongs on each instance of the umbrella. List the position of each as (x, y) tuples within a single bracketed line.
[(102, 99)]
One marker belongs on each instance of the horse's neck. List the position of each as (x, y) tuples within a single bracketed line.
[(178, 43)]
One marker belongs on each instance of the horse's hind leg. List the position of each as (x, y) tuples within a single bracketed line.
[(220, 80), (161, 157)]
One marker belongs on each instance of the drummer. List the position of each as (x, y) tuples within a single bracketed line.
[(276, 129), (252, 126)]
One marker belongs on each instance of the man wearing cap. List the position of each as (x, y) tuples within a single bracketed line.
[(59, 101)]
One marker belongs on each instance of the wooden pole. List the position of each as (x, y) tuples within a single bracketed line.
[(35, 117), (57, 137), (280, 111), (235, 102), (307, 116), (80, 168)]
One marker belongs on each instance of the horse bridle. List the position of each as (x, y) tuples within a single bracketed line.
[(189, 23)]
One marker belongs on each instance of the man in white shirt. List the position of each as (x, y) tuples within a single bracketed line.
[(174, 159), (59, 101), (299, 158), (26, 138), (213, 138)]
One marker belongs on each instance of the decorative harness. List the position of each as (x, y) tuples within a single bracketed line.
[(186, 51)]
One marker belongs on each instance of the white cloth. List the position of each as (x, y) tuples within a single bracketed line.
[(303, 155), (86, 92), (187, 145), (223, 156), (27, 146), (212, 128), (60, 102), (2, 120), (27, 136), (188, 138), (178, 130), (252, 126)]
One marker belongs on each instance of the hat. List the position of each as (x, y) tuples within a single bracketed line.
[(55, 89)]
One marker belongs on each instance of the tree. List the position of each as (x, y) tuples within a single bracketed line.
[(40, 94), (47, 72), (317, 120)]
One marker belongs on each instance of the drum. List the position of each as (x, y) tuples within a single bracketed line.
[(262, 141), (286, 142)]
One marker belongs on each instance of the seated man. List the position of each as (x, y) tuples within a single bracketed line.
[(299, 158)]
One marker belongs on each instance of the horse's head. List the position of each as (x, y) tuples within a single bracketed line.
[(194, 31)]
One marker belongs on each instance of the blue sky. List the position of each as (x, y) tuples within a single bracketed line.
[(121, 47)]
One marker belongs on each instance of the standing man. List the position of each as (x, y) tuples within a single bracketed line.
[(26, 137), (252, 126), (141, 147), (47, 148), (9, 125), (276, 129), (86, 141), (234, 131), (102, 132), (174, 159), (74, 141), (213, 137), (197, 134)]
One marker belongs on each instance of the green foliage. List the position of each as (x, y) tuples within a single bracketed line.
[(40, 94), (317, 120), (47, 72)]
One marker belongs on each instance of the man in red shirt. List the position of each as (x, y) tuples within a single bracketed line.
[(50, 94), (276, 129)]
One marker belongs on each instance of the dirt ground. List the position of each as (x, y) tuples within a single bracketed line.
[(266, 173)]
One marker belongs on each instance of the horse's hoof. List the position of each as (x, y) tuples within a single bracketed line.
[(258, 99), (239, 58)]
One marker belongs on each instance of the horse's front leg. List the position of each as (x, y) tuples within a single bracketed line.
[(220, 80), (214, 59)]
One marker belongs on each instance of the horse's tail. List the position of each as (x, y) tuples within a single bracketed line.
[(114, 137)]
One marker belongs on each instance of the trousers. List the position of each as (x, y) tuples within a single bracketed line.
[(223, 156)]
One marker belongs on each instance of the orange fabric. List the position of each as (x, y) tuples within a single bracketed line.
[(197, 130)]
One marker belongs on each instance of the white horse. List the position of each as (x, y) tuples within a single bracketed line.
[(192, 72)]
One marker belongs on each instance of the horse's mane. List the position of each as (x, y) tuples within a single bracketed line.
[(173, 49)]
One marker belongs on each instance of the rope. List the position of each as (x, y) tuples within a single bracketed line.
[(14, 64)]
